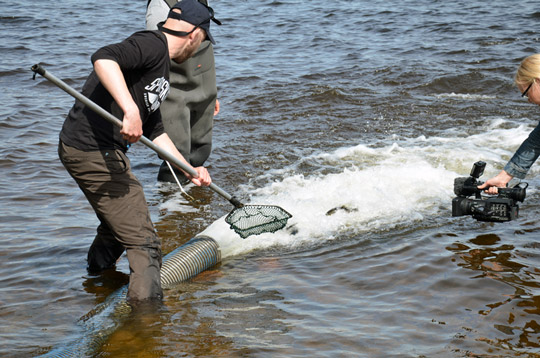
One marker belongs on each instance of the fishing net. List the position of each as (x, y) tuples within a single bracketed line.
[(257, 219)]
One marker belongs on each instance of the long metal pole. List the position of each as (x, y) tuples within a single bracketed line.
[(106, 115)]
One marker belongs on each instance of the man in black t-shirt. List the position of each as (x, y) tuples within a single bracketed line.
[(130, 80)]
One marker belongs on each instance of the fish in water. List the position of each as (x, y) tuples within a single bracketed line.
[(344, 208)]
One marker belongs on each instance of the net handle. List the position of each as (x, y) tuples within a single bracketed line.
[(38, 69)]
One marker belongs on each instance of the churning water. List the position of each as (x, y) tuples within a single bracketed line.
[(355, 116)]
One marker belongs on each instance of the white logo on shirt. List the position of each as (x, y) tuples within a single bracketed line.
[(156, 93)]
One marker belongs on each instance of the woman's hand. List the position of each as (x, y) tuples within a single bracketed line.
[(499, 181)]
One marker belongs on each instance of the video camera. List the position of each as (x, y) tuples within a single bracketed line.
[(501, 208)]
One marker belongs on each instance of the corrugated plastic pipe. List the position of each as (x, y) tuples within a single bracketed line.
[(187, 261)]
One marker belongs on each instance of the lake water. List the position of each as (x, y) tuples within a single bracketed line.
[(375, 106)]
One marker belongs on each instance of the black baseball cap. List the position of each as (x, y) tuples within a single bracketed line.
[(195, 13)]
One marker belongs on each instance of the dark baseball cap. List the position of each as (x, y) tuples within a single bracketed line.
[(195, 13)]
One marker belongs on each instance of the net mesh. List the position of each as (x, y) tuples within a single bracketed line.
[(257, 219)]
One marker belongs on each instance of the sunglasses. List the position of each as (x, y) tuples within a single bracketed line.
[(527, 90)]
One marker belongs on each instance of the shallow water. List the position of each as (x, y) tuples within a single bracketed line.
[(373, 106)]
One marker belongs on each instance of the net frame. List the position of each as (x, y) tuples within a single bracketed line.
[(257, 219)]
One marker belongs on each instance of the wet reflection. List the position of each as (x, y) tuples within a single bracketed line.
[(514, 318), (212, 315), (180, 220), (105, 283), (139, 334)]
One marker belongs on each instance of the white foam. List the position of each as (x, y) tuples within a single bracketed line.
[(464, 96), (407, 180)]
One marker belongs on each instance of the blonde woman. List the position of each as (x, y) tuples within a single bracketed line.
[(528, 82)]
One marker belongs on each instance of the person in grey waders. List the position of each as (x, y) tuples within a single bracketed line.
[(189, 110), (130, 80)]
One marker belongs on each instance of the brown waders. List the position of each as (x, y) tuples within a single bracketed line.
[(117, 197)]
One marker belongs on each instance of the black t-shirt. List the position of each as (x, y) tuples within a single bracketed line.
[(144, 60)]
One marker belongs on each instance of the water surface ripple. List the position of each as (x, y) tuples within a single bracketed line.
[(373, 106)]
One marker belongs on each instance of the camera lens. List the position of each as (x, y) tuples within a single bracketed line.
[(518, 194)]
